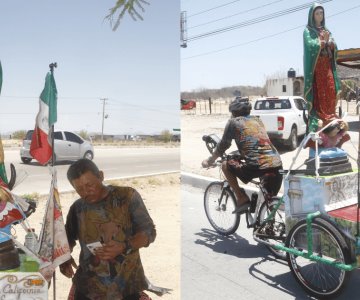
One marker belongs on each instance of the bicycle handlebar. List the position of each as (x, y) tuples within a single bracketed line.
[(211, 142)]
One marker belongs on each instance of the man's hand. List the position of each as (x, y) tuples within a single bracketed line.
[(110, 250), (66, 268), (206, 163)]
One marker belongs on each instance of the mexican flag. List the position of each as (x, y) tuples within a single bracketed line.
[(40, 147)]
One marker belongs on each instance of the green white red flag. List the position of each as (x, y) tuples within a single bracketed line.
[(40, 147)]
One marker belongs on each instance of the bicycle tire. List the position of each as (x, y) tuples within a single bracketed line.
[(220, 213), (319, 279), (275, 227)]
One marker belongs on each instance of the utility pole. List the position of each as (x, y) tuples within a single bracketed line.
[(183, 29), (103, 118)]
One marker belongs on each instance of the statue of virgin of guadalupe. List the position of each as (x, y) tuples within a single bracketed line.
[(321, 81)]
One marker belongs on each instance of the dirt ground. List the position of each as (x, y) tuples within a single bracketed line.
[(161, 260), (196, 123), (161, 195)]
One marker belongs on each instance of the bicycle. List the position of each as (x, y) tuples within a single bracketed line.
[(319, 253), (320, 256), (263, 215)]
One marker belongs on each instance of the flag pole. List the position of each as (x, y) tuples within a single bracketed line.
[(52, 66)]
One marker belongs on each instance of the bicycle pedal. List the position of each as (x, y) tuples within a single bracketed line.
[(253, 202)]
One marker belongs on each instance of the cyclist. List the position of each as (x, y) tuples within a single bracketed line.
[(260, 158)]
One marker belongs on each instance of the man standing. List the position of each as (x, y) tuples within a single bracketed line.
[(111, 224)]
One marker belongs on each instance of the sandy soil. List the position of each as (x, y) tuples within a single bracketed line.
[(161, 260), (196, 123)]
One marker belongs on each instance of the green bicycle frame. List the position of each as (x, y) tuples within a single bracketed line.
[(309, 254)]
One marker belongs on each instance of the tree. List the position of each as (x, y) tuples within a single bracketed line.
[(19, 135), (132, 7), (165, 136), (84, 134), (237, 93)]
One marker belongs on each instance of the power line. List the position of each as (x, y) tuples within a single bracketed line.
[(204, 11), (255, 20), (239, 13), (140, 106), (37, 97), (245, 43), (267, 36), (60, 113), (114, 103), (146, 120)]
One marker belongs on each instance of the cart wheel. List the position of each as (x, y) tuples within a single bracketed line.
[(219, 203), (317, 278), (274, 227)]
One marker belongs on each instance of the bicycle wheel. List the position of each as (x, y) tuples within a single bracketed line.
[(319, 279), (219, 203), (273, 228)]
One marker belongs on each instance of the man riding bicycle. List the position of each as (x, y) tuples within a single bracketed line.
[(261, 159)]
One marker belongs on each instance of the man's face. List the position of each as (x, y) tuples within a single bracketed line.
[(89, 187)]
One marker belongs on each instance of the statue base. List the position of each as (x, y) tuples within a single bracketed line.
[(332, 161)]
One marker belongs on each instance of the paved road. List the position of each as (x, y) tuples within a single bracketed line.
[(115, 162), (235, 267)]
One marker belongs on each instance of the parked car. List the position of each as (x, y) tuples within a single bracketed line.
[(187, 104), (283, 117), (68, 146)]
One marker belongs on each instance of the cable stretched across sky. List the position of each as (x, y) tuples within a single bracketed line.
[(254, 21), (266, 37), (210, 9), (233, 15)]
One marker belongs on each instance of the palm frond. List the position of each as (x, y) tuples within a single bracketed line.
[(116, 13)]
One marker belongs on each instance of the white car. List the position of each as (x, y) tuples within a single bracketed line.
[(68, 146), (283, 117)]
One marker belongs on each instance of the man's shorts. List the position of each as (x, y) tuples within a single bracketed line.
[(271, 178)]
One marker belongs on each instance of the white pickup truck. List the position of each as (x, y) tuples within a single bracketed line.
[(283, 118)]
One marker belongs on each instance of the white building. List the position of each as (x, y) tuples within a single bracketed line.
[(290, 86)]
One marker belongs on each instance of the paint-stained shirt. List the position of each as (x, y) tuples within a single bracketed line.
[(117, 217), (252, 141)]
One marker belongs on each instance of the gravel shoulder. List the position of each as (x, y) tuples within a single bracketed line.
[(193, 150)]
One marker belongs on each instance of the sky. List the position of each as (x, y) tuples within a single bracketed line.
[(250, 54), (137, 67)]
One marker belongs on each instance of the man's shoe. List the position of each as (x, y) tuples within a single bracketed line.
[(242, 208)]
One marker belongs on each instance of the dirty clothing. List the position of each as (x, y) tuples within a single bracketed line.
[(119, 216), (260, 158), (252, 142)]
